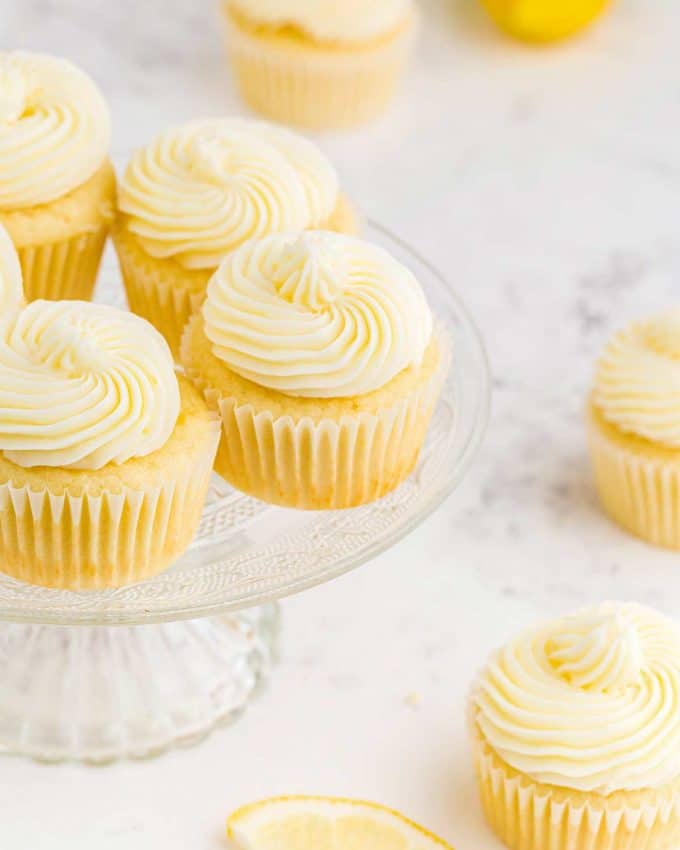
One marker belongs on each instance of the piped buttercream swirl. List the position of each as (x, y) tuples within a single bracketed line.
[(637, 383), (83, 385), (54, 129), (330, 20), (11, 286), (590, 702), (318, 314), (201, 190)]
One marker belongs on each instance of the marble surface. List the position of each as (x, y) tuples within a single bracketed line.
[(546, 183)]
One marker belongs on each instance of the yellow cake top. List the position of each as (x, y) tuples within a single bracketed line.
[(54, 129), (83, 385), (201, 190), (637, 382), (11, 285), (588, 702), (330, 20), (317, 314)]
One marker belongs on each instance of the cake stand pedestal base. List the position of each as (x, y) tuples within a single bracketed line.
[(99, 693)]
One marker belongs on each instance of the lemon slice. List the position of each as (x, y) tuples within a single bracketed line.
[(326, 823)]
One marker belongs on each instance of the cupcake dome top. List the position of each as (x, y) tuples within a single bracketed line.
[(11, 289), (637, 383), (588, 702), (200, 190), (83, 385), (316, 314), (330, 20), (54, 129)]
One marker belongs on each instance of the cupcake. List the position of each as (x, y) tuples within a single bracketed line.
[(11, 290), (576, 732), (105, 455), (634, 429), (321, 64), (317, 350), (57, 185), (197, 192)]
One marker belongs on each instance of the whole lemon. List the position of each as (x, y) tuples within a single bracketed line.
[(543, 20)]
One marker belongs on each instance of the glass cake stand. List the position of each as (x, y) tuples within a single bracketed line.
[(95, 676)]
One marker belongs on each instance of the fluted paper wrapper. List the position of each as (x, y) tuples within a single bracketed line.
[(167, 307), (64, 269), (639, 492), (316, 88), (107, 540), (526, 815), (324, 463)]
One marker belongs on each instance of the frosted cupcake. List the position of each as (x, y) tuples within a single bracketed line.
[(318, 351), (11, 289), (577, 733), (319, 63), (57, 185), (634, 427), (198, 192), (105, 457)]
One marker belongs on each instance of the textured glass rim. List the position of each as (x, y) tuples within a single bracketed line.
[(84, 609)]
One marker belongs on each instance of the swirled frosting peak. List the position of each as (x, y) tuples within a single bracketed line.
[(311, 272), (54, 129), (11, 287), (319, 315), (600, 652), (83, 385), (201, 190), (637, 383), (589, 702), (330, 20)]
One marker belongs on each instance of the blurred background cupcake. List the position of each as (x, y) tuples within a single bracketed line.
[(105, 454), (319, 64), (57, 185), (318, 351), (576, 733), (199, 191), (634, 429)]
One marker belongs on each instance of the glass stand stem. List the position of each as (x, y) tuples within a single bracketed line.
[(99, 693)]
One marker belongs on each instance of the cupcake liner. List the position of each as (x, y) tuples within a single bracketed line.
[(320, 463), (638, 491), (166, 306), (91, 541), (64, 269), (529, 816), (312, 87)]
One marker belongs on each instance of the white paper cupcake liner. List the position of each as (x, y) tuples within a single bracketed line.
[(529, 816), (64, 269), (321, 463), (106, 540), (640, 492)]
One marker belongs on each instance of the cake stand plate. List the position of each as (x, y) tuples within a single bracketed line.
[(94, 676)]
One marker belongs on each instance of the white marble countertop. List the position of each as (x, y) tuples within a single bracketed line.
[(546, 183)]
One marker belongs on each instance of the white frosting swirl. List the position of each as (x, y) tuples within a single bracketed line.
[(330, 20), (54, 129), (11, 286), (319, 314), (590, 702), (201, 190), (637, 384), (83, 385)]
